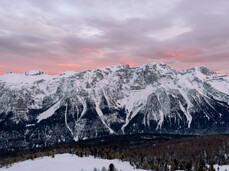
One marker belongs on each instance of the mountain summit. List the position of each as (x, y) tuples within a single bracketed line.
[(39, 109), (34, 72)]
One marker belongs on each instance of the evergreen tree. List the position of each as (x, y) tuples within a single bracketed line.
[(111, 167), (188, 166)]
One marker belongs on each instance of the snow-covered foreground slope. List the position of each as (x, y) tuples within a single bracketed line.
[(68, 162), (221, 168), (37, 109)]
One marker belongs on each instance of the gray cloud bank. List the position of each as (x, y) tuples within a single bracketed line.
[(96, 33)]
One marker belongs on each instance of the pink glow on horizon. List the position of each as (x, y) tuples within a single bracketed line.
[(57, 68), (127, 63), (69, 65), (2, 66)]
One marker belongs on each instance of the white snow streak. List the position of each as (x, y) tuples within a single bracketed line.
[(66, 122), (100, 113), (46, 114), (187, 114)]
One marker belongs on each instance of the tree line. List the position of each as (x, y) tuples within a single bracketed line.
[(188, 153)]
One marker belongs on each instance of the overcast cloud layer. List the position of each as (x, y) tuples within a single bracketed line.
[(60, 35)]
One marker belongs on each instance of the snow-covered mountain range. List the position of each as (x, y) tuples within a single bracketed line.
[(40, 109)]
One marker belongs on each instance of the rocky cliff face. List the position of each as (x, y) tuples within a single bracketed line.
[(37, 109)]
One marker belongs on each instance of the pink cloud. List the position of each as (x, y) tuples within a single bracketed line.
[(91, 50), (89, 60), (176, 55), (69, 65), (9, 54), (3, 66)]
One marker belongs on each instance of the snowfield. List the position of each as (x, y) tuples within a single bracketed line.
[(68, 162), (221, 168)]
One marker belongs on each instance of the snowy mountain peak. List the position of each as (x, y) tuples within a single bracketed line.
[(34, 72), (9, 73), (120, 99), (204, 70)]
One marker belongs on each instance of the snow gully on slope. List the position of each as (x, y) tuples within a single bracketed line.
[(48, 113)]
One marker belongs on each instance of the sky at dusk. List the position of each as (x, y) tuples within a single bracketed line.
[(63, 35)]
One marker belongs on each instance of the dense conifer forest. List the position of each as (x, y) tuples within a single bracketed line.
[(147, 151)]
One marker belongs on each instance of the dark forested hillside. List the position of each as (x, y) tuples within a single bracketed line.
[(156, 152)]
